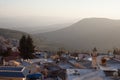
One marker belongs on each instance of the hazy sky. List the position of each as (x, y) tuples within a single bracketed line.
[(60, 9)]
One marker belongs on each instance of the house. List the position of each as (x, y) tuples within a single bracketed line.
[(1, 60), (13, 73), (85, 74), (12, 56), (40, 54)]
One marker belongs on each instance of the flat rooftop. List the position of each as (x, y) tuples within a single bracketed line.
[(11, 71), (10, 68), (85, 74)]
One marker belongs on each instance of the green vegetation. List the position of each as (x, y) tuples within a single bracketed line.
[(5, 53), (26, 47)]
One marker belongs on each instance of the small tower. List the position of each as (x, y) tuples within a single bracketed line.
[(94, 58)]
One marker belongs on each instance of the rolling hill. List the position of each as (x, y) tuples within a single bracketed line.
[(14, 34), (8, 33), (102, 33)]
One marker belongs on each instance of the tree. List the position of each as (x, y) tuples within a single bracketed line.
[(22, 44), (5, 53), (95, 49), (116, 51), (26, 47), (30, 45), (61, 51)]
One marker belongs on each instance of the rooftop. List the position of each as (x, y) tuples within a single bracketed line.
[(11, 68), (10, 71), (86, 74)]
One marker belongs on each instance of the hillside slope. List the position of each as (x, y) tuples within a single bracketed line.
[(86, 34), (14, 34), (11, 33)]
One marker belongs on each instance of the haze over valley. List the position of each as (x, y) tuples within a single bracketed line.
[(34, 25), (59, 39), (87, 33), (80, 24), (84, 34)]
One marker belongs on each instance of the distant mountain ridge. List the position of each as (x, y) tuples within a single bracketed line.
[(14, 34), (33, 25), (87, 33), (8, 33)]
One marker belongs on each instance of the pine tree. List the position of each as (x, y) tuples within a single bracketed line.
[(26, 47), (22, 44), (30, 44)]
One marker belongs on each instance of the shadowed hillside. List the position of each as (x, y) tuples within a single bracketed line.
[(87, 33), (11, 33)]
